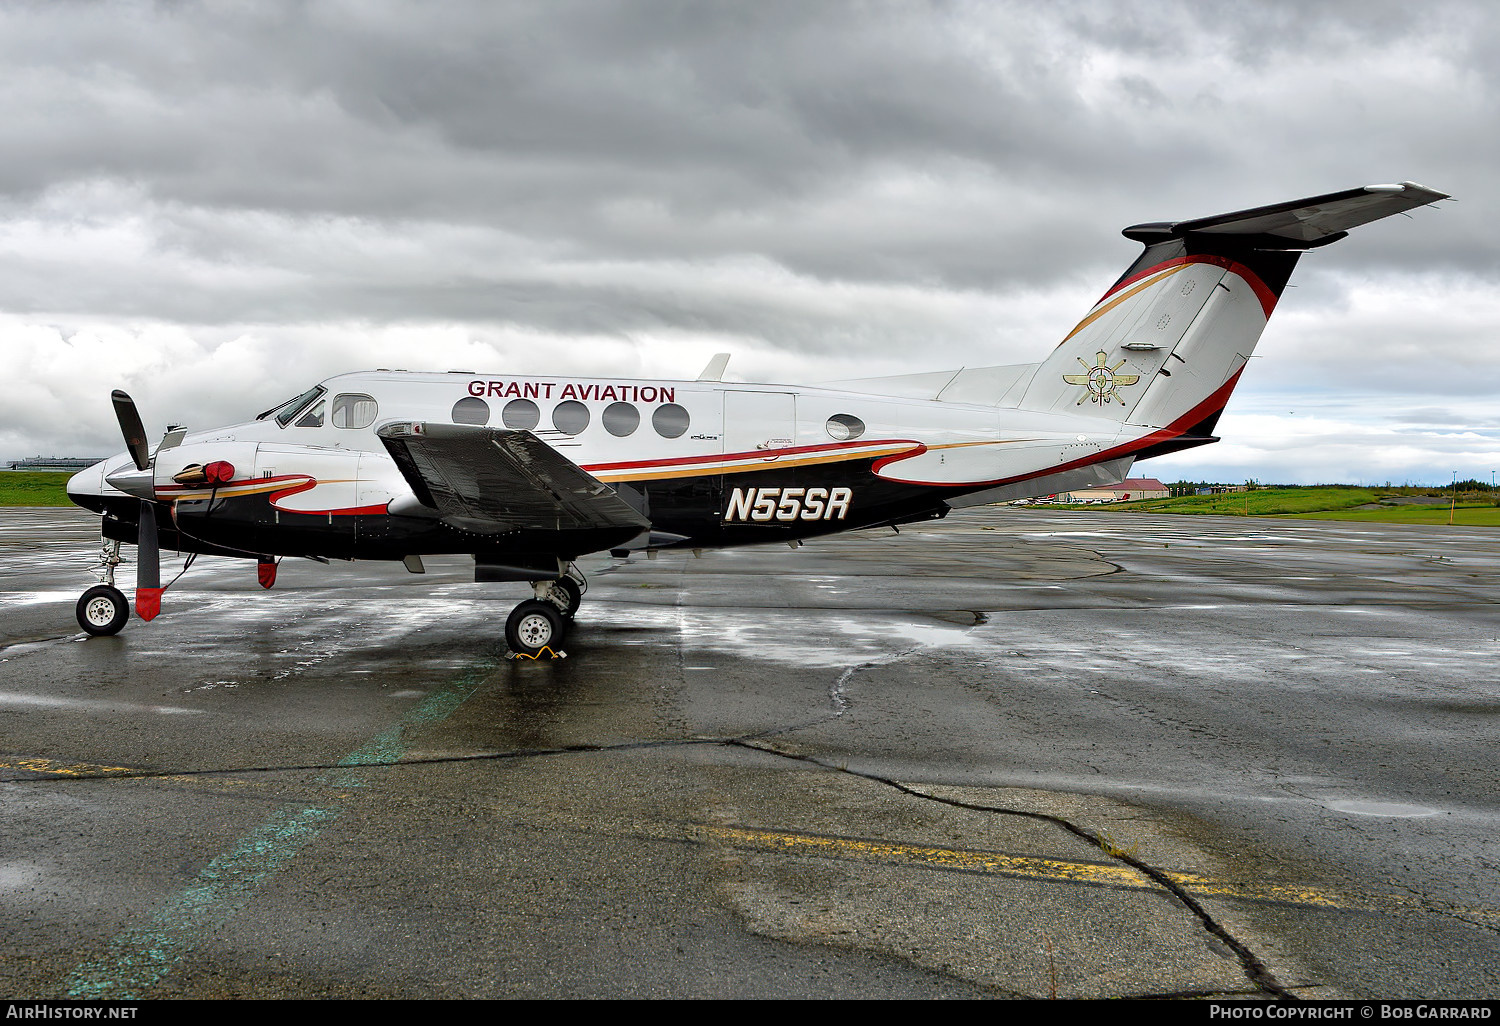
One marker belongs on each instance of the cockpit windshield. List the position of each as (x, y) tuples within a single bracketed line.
[(289, 409)]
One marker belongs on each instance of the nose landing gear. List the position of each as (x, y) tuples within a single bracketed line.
[(103, 609)]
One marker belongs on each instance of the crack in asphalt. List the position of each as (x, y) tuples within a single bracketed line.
[(836, 697), (1254, 968)]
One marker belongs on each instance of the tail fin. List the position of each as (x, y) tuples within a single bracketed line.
[(1166, 344)]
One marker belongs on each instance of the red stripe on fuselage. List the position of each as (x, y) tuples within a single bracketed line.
[(303, 483), (736, 457)]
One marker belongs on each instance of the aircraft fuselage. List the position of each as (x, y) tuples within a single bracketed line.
[(712, 463)]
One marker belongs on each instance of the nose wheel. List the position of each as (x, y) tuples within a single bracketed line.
[(103, 610)]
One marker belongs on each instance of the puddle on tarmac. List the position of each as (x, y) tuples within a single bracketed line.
[(1392, 810)]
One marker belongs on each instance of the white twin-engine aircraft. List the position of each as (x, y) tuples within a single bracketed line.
[(527, 474)]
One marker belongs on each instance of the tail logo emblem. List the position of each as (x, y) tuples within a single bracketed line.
[(1101, 380)]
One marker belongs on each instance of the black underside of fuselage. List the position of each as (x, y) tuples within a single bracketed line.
[(692, 508)]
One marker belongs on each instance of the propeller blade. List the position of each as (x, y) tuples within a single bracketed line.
[(148, 565), (131, 428)]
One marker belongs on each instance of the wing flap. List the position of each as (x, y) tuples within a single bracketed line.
[(491, 480)]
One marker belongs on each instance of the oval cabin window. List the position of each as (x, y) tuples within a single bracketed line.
[(469, 410), (520, 415), (843, 427), (670, 421), (621, 419), (570, 417)]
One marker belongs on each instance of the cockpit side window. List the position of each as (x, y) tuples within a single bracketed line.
[(289, 409), (353, 410), (312, 418)]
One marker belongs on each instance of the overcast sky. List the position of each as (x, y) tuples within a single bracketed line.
[(215, 205)]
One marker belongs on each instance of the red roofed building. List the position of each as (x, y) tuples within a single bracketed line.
[(1128, 490)]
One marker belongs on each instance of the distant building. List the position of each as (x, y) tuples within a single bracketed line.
[(1128, 490), (55, 463)]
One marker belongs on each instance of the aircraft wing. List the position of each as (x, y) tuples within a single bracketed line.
[(493, 480)]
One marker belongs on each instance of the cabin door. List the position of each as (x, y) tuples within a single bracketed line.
[(759, 421)]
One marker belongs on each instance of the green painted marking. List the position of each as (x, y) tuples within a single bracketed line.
[(137, 959)]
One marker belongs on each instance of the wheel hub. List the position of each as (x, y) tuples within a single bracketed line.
[(534, 630), (100, 611)]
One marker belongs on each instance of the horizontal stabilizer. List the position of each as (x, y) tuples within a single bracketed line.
[(1302, 223)]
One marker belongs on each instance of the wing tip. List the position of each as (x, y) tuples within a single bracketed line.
[(1410, 188)]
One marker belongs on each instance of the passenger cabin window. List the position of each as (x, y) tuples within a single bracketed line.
[(670, 420), (520, 415), (470, 410), (621, 419), (844, 427), (570, 417), (313, 417), (353, 410)]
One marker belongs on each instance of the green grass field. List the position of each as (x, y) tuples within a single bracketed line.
[(1463, 516), (1263, 502), (1330, 503), (33, 488)]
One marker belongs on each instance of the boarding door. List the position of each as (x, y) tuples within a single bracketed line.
[(759, 421)]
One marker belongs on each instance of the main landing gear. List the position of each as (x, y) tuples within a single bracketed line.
[(103, 609), (535, 628)]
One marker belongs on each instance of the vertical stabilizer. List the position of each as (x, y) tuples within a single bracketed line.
[(1166, 344)]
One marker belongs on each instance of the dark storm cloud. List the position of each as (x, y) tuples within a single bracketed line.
[(683, 130)]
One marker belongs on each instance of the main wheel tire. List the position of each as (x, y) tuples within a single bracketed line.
[(533, 626), (574, 593), (102, 610)]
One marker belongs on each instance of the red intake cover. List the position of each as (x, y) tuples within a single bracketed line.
[(219, 472), (148, 602)]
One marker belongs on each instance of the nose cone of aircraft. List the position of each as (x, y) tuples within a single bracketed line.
[(86, 488)]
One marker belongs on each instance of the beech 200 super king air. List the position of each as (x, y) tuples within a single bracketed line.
[(528, 473)]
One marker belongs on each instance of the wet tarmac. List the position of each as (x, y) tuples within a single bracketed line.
[(1015, 752)]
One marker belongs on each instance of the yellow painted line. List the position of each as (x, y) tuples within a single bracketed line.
[(918, 855), (64, 769), (898, 853), (57, 769), (1066, 871)]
